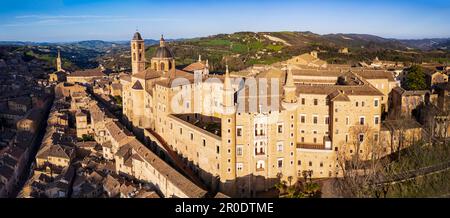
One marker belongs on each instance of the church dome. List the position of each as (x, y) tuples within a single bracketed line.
[(163, 51)]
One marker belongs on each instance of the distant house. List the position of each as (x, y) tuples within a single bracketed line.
[(307, 59), (343, 50), (55, 155), (402, 103)]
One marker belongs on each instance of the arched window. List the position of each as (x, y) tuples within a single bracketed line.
[(140, 56), (134, 46), (162, 66), (134, 56), (155, 67)]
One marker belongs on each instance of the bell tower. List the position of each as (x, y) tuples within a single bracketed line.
[(59, 63), (137, 54)]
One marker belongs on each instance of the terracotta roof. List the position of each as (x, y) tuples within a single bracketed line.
[(125, 77), (148, 74), (375, 74), (55, 150), (87, 73), (107, 144), (338, 96), (195, 66), (119, 134), (167, 82), (322, 89), (177, 179)]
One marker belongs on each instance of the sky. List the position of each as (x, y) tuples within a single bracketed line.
[(74, 20)]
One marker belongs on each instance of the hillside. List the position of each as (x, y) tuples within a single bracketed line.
[(243, 49)]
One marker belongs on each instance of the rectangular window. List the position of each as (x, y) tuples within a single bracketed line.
[(361, 137), (280, 128), (375, 137), (375, 103), (303, 101), (280, 146), (316, 102), (315, 140), (361, 120), (302, 118), (204, 142), (239, 166), (192, 136), (327, 120), (239, 131), (315, 118), (347, 120), (280, 163), (239, 151), (376, 120)]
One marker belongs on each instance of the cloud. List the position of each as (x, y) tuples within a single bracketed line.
[(52, 20), (34, 16)]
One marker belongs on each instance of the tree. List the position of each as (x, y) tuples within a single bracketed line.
[(360, 170), (415, 78)]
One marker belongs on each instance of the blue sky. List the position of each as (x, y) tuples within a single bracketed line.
[(71, 20)]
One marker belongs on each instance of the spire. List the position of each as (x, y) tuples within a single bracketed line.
[(228, 90), (199, 58), (58, 62), (162, 41), (207, 63), (289, 90), (289, 78), (227, 80)]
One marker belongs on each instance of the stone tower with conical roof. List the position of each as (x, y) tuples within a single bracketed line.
[(137, 54), (290, 95), (289, 104), (228, 129)]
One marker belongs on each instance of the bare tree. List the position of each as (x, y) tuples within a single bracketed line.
[(360, 163)]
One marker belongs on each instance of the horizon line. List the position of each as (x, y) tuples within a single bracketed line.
[(203, 36)]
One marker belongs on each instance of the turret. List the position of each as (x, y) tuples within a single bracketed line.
[(228, 128)]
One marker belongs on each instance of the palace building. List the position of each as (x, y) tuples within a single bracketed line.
[(240, 141)]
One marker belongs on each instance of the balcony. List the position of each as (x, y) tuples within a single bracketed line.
[(260, 133), (260, 152)]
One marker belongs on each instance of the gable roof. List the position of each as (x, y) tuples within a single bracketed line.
[(87, 73), (55, 150), (137, 85)]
